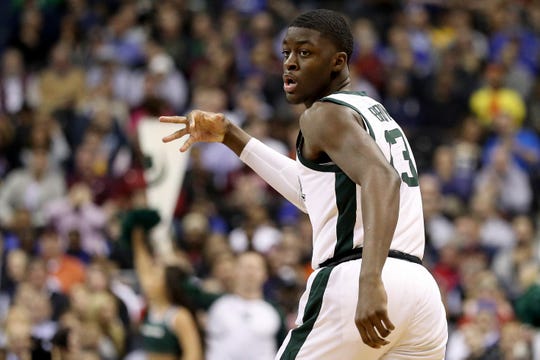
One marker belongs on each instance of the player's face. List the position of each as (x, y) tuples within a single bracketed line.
[(308, 65)]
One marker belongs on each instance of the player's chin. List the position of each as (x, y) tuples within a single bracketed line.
[(293, 98)]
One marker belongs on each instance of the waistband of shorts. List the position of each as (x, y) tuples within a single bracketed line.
[(356, 253)]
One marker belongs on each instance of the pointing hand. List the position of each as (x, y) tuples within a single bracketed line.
[(201, 126)]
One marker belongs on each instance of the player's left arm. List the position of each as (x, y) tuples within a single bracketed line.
[(339, 132)]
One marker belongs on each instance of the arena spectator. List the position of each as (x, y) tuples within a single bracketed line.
[(61, 84), (31, 188), (64, 270), (18, 86), (493, 98), (243, 324)]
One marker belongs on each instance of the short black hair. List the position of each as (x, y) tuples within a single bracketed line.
[(330, 24)]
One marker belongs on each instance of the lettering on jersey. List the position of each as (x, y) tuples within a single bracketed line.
[(152, 331), (380, 112)]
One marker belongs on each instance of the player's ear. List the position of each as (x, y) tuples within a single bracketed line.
[(340, 61)]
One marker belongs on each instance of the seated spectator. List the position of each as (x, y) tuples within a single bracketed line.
[(103, 317), (94, 315), (454, 186), (77, 213), (243, 324), (108, 139), (62, 84), (219, 263), (98, 280), (446, 270), (66, 344), (22, 234), (468, 238), (527, 310), (522, 143), (493, 99), (43, 326), (289, 266), (167, 31), (517, 342), (367, 62), (467, 152), (19, 341), (401, 102), (508, 184), (191, 241), (14, 271), (161, 80), (495, 232), (507, 264), (257, 232), (109, 85), (91, 169), (124, 35), (64, 270), (439, 228), (17, 85), (518, 76), (473, 340), (486, 311), (486, 294), (45, 132), (8, 147), (37, 278), (27, 38), (31, 188)]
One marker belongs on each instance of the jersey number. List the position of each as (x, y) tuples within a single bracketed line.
[(410, 176)]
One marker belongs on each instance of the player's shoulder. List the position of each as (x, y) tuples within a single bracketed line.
[(324, 111)]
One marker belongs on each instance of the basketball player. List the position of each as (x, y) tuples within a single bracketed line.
[(369, 296)]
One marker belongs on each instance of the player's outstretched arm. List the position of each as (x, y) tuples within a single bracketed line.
[(277, 170)]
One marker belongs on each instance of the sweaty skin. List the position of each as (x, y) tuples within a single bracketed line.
[(313, 68)]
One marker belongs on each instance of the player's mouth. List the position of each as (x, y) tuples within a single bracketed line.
[(289, 83)]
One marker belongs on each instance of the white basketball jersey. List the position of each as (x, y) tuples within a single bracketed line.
[(333, 200)]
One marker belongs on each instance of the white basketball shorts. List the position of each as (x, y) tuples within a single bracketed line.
[(325, 324)]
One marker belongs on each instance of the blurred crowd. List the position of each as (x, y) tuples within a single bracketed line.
[(77, 77)]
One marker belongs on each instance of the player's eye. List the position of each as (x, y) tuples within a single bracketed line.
[(285, 53), (304, 53)]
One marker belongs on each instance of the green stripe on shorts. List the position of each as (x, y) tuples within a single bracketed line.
[(311, 312)]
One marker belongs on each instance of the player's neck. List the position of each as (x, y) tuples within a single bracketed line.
[(342, 82)]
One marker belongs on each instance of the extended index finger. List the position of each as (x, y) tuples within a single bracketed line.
[(173, 119)]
